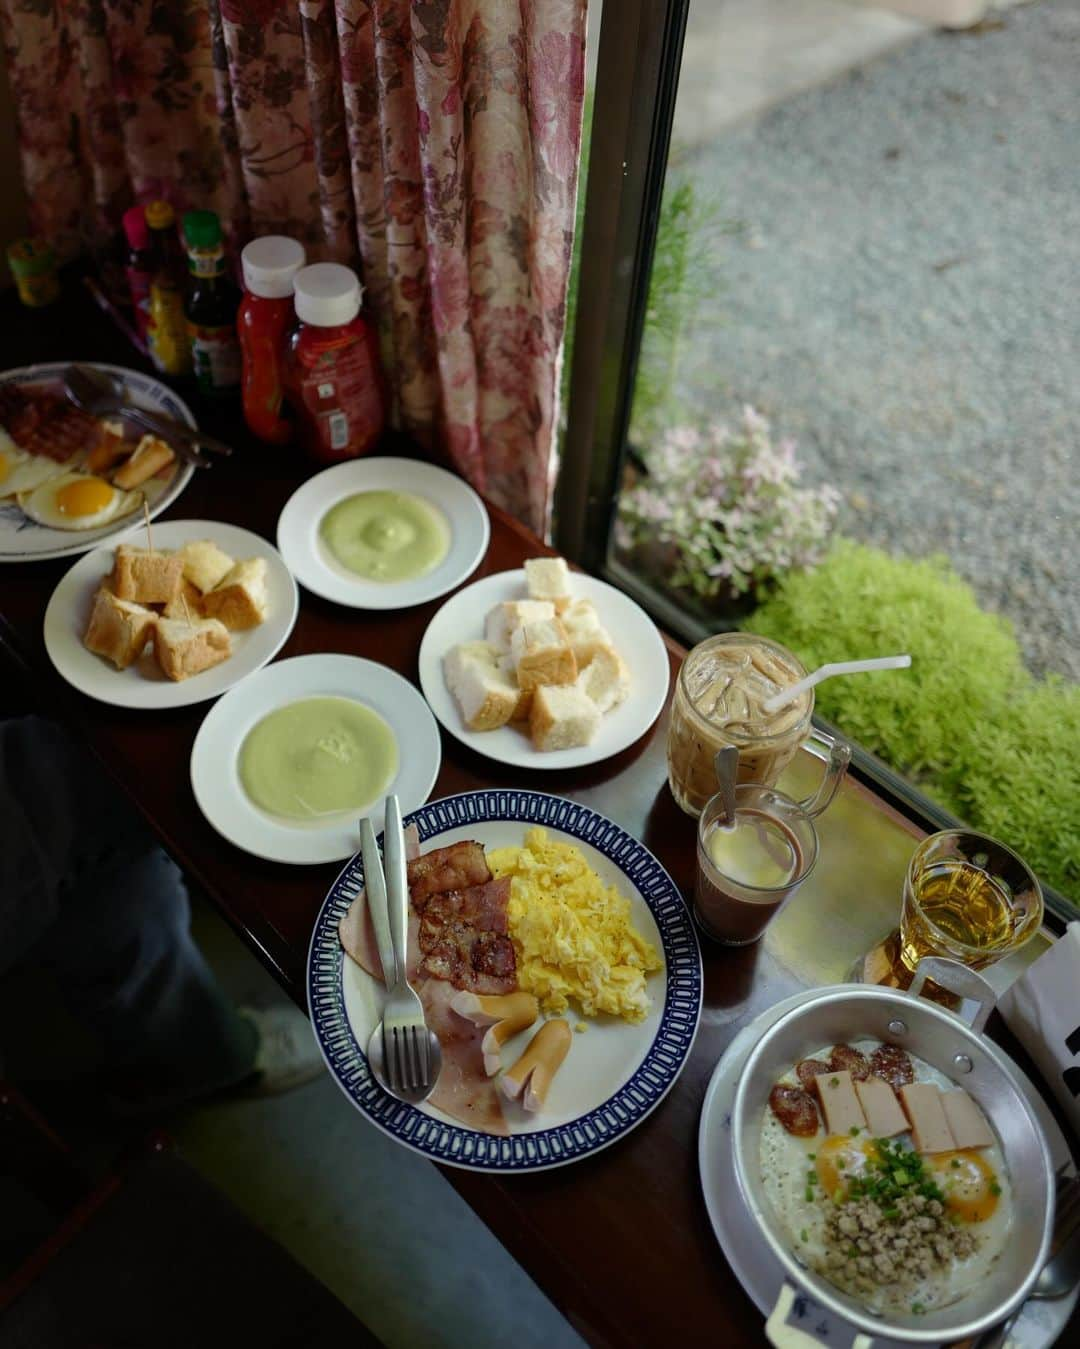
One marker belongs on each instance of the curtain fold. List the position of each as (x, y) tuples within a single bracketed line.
[(434, 142)]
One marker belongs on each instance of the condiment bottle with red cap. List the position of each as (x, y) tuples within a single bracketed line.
[(140, 265), (335, 381), (269, 265)]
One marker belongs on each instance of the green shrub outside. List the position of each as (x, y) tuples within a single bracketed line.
[(967, 722)]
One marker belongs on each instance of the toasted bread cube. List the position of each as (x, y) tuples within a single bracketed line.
[(118, 629), (542, 655), (486, 696), (884, 1118), (549, 579), (503, 618), (184, 649), (524, 696), (149, 457), (205, 564), (239, 600), (605, 679), (585, 632), (966, 1121), (562, 717), (186, 603), (930, 1130), (839, 1102), (145, 577)]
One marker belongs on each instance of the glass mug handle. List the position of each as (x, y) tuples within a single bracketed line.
[(836, 763)]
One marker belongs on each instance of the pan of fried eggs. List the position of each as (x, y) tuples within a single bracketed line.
[(808, 1188)]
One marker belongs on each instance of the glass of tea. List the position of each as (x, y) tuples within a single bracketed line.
[(968, 897), (749, 866)]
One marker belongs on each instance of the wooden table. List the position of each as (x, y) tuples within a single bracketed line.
[(620, 1242)]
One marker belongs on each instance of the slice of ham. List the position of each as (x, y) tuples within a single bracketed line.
[(464, 1091)]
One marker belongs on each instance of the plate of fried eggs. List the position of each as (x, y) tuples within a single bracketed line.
[(62, 503)]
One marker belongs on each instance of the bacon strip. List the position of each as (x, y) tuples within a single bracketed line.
[(43, 423), (456, 867)]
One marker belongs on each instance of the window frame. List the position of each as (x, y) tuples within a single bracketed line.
[(637, 79)]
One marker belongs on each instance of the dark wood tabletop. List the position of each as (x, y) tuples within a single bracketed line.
[(621, 1241)]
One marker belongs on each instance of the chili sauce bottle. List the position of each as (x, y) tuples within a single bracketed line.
[(166, 334), (335, 381), (269, 265), (211, 307), (140, 266)]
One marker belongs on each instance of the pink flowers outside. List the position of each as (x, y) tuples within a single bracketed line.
[(726, 505)]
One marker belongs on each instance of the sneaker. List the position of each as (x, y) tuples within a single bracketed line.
[(286, 1055)]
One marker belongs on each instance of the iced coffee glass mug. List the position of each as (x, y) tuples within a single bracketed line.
[(718, 701), (748, 868)]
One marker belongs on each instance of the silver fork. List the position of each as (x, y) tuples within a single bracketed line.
[(404, 1054)]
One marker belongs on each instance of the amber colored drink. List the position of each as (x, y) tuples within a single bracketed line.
[(967, 897)]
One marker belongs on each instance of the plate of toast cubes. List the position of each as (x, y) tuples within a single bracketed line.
[(544, 667), (172, 615)]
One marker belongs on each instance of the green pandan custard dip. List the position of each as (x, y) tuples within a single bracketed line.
[(318, 757), (386, 536)]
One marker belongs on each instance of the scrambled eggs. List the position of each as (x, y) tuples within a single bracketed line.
[(573, 934)]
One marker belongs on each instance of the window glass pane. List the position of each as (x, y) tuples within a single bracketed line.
[(856, 414)]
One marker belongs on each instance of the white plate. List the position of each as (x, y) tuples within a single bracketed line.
[(615, 1073), (748, 1253), (461, 619), (215, 777), (23, 539), (316, 568), (143, 684)]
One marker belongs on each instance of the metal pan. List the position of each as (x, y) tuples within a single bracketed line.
[(963, 1054)]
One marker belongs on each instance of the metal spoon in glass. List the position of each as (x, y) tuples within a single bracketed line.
[(404, 1054)]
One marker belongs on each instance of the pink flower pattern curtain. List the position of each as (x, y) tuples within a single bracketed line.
[(434, 141)]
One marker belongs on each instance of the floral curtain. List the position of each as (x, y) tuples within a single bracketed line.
[(435, 142)]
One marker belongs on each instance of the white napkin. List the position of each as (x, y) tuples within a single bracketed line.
[(1042, 1009)]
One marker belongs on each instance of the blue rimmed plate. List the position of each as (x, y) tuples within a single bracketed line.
[(23, 539), (615, 1073)]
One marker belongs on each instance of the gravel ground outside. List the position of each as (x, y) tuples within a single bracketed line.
[(895, 282)]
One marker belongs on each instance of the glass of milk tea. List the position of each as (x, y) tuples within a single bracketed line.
[(749, 867)]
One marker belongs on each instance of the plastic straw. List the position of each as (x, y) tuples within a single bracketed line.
[(839, 667)]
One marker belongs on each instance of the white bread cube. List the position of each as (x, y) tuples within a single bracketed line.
[(525, 696), (562, 718), (485, 694), (205, 564), (585, 632), (501, 621), (542, 655), (145, 577), (605, 679), (184, 649), (549, 579), (186, 603), (240, 599), (118, 629)]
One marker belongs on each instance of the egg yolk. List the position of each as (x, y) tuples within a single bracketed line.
[(85, 497), (5, 466), (969, 1184), (838, 1159)]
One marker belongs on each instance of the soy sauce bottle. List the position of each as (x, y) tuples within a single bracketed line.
[(211, 307)]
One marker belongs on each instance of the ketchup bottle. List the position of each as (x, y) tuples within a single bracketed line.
[(269, 266), (335, 381)]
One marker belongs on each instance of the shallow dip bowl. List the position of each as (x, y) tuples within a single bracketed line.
[(968, 1059)]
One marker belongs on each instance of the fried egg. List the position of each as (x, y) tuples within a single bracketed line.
[(78, 501), (22, 472), (804, 1177)]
